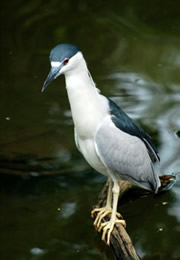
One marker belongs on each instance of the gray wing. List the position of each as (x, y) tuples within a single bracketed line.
[(126, 124), (126, 155)]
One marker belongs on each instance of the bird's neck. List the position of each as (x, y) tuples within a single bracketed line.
[(87, 105)]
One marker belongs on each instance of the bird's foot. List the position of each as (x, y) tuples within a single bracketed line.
[(101, 213), (108, 228)]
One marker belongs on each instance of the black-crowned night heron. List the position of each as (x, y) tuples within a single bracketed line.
[(108, 139)]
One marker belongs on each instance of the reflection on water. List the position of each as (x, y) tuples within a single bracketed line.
[(133, 53), (68, 209)]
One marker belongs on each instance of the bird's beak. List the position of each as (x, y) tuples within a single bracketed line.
[(54, 73)]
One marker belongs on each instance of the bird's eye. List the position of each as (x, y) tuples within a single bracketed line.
[(65, 61)]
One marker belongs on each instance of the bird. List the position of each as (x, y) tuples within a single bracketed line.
[(110, 141)]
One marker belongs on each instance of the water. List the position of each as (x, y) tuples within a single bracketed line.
[(47, 190)]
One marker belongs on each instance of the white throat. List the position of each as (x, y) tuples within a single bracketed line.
[(87, 105)]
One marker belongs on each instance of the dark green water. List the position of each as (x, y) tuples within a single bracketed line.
[(133, 52)]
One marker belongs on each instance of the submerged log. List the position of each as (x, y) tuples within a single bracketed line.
[(120, 241)]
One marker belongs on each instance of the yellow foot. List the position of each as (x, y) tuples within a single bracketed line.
[(101, 213), (108, 228)]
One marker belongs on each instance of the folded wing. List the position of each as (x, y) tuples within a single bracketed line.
[(127, 153)]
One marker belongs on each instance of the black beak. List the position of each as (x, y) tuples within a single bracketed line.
[(54, 73)]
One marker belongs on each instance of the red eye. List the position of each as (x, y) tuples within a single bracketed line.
[(65, 61)]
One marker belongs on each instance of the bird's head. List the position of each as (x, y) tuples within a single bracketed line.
[(62, 59)]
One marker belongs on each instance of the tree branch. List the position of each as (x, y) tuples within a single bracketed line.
[(120, 240)]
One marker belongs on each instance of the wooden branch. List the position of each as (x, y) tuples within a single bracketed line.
[(120, 240)]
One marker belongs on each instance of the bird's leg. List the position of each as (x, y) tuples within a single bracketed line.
[(108, 226), (104, 211), (109, 196), (108, 202)]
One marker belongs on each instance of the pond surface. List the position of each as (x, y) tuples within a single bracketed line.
[(47, 190)]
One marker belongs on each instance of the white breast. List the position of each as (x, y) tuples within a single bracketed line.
[(87, 148), (88, 107)]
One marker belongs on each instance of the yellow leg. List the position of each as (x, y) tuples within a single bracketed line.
[(104, 211), (108, 226), (107, 210), (108, 203), (109, 196)]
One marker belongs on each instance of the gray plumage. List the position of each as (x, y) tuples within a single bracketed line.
[(127, 150), (126, 124)]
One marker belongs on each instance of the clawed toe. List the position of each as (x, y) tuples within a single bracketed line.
[(107, 226), (101, 214)]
